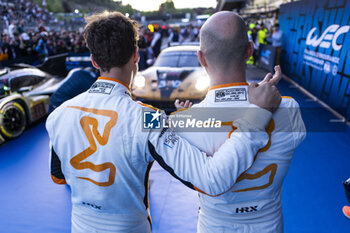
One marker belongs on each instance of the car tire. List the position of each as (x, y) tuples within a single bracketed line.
[(13, 120)]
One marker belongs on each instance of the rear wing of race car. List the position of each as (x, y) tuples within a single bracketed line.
[(55, 65)]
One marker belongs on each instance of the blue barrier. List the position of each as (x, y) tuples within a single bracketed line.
[(316, 48)]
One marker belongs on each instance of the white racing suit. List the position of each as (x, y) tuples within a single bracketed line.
[(99, 148), (254, 203)]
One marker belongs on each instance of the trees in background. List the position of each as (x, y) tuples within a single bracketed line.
[(166, 10)]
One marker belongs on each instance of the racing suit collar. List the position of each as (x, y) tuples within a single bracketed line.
[(228, 85), (228, 93), (115, 80)]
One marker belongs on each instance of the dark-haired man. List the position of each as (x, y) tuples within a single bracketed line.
[(98, 146)]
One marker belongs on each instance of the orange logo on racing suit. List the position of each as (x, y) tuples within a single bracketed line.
[(270, 168), (246, 176), (85, 123)]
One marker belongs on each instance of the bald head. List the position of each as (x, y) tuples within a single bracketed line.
[(223, 39)]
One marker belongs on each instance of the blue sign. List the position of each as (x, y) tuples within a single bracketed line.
[(267, 57), (316, 49), (78, 60)]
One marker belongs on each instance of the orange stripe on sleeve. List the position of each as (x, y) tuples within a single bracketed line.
[(148, 106), (180, 110), (58, 181)]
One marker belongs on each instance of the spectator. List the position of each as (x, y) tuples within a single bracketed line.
[(174, 35), (262, 34), (183, 34), (261, 39), (277, 35), (12, 29), (20, 27), (142, 43), (156, 42), (195, 33), (60, 47), (42, 47)]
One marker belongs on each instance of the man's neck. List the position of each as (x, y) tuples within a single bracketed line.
[(225, 77), (119, 73)]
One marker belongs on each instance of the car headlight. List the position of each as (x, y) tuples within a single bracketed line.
[(139, 81), (202, 83)]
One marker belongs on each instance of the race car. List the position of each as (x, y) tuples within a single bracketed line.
[(176, 74), (24, 98)]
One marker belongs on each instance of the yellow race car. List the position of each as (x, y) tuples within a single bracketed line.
[(176, 74)]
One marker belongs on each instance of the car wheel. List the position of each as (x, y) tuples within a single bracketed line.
[(13, 120)]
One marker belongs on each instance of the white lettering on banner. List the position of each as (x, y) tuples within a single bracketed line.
[(321, 61), (327, 67), (313, 65), (314, 60), (329, 37), (322, 56)]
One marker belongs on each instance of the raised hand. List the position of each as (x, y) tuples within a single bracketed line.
[(274, 80), (265, 96), (180, 105)]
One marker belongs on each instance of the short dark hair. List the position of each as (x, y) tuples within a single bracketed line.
[(111, 38)]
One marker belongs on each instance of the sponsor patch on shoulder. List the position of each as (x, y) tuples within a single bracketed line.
[(171, 140), (102, 88), (231, 94)]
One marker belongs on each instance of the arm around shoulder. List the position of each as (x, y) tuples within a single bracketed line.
[(215, 174)]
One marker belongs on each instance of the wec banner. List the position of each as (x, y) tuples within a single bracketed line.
[(316, 49)]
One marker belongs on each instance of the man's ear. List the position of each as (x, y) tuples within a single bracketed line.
[(136, 55), (94, 64), (202, 59), (250, 50)]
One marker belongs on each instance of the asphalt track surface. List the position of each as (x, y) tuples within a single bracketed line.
[(312, 196)]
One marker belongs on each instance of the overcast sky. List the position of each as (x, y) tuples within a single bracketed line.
[(150, 5)]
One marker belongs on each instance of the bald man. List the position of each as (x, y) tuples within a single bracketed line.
[(253, 204)]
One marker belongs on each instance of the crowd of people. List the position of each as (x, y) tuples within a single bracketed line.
[(259, 34), (150, 43), (33, 46), (22, 43), (25, 11)]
